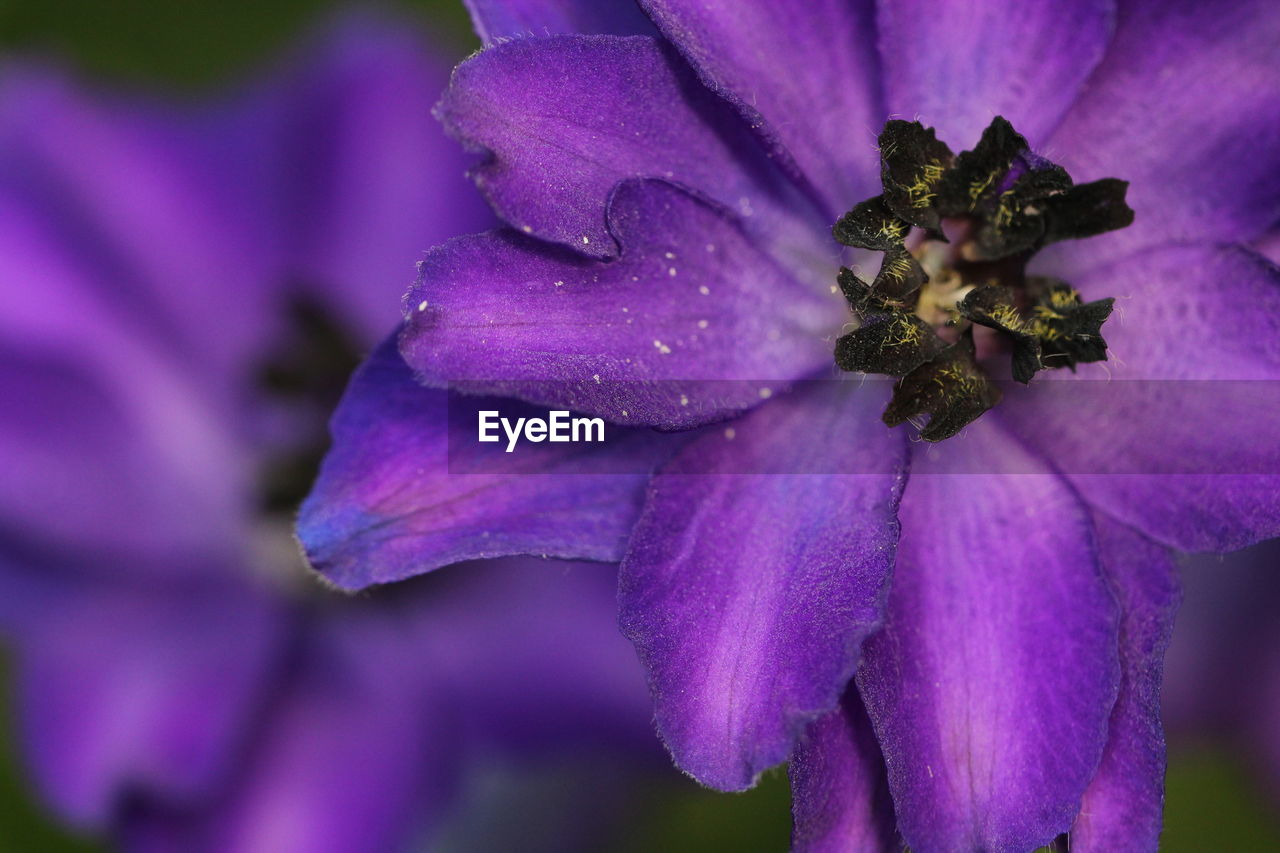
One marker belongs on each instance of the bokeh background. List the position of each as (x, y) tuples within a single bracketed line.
[(1222, 703)]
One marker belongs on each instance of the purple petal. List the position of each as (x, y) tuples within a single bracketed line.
[(86, 456), (330, 180), (386, 505), (564, 119), (992, 680), (1268, 245), (839, 792), (146, 692), (1123, 804), (356, 172), (130, 197), (1196, 330), (748, 594), (531, 653), (350, 756), (1185, 108), (956, 65), (647, 339), (390, 696), (495, 20), (807, 81)]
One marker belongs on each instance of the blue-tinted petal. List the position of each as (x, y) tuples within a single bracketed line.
[(387, 504)]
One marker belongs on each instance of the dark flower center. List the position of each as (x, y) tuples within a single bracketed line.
[(297, 385), (957, 232), (305, 375)]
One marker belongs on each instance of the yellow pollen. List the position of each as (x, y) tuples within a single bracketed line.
[(905, 333), (1064, 298), (1008, 317), (920, 192), (893, 229), (1004, 212), (899, 268), (977, 188)]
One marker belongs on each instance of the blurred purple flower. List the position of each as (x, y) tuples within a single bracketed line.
[(669, 202), (178, 288), (1223, 667)]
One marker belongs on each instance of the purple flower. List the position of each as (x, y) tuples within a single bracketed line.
[(179, 285), (968, 657)]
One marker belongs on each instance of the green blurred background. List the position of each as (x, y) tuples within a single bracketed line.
[(195, 46)]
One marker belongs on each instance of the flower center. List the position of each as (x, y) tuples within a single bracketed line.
[(304, 375), (302, 378), (957, 232)]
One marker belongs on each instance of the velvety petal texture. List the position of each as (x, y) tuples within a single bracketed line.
[(753, 576), (690, 324), (804, 80), (991, 683), (955, 65), (839, 791), (562, 120), (1122, 807), (1184, 108), (407, 488), (1194, 358), (495, 20)]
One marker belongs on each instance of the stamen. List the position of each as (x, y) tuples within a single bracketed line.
[(1000, 203)]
